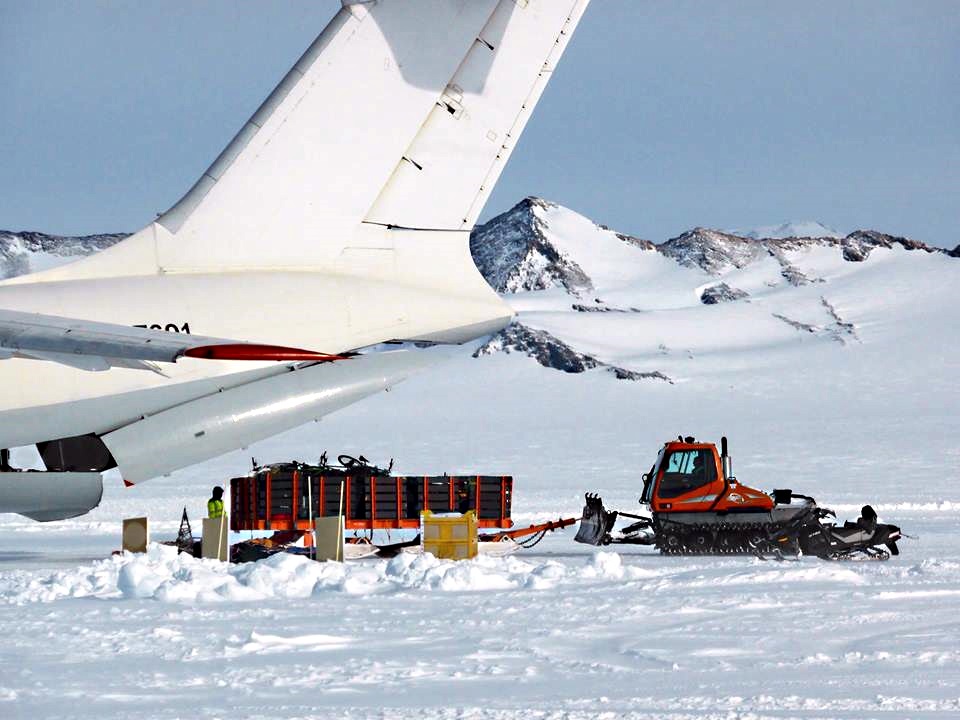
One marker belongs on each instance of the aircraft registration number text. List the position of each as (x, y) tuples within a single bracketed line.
[(169, 327)]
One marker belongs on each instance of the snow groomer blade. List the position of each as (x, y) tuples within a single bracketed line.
[(595, 523)]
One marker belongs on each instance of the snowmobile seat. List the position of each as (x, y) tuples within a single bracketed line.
[(868, 518), (852, 533), (860, 531), (782, 497)]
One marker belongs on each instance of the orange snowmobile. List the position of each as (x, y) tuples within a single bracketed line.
[(699, 508)]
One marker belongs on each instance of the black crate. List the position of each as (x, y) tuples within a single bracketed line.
[(331, 497), (385, 493), (491, 497), (438, 494), (281, 492), (308, 488), (411, 494), (464, 494), (359, 499)]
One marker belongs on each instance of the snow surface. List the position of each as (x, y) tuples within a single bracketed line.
[(854, 402)]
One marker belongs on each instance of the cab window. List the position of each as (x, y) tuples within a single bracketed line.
[(686, 470), (647, 495)]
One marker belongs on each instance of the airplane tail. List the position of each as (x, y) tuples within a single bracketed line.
[(374, 155)]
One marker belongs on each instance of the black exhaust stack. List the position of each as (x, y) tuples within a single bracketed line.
[(725, 459)]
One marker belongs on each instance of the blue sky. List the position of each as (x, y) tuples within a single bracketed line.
[(664, 114)]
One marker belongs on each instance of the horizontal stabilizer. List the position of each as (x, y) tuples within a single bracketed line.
[(95, 346)]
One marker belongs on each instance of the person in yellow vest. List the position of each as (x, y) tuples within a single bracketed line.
[(215, 504)]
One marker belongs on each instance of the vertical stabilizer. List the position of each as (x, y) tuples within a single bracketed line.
[(449, 170)]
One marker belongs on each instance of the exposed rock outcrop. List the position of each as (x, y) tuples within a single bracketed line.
[(513, 253), (26, 252), (797, 325), (721, 292), (841, 330), (795, 277), (836, 329), (716, 252), (601, 307), (858, 244), (635, 241), (552, 352), (712, 250)]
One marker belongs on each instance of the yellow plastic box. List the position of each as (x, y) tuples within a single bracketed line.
[(449, 536)]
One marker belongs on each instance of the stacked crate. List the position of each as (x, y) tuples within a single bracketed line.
[(279, 497)]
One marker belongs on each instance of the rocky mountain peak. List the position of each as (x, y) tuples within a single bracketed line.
[(716, 251), (712, 250), (858, 244), (513, 253)]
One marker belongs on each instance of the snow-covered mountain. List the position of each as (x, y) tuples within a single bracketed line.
[(649, 308), (590, 297), (796, 228), (713, 250), (28, 252), (513, 253), (529, 247)]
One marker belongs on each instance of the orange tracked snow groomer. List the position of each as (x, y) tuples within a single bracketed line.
[(697, 507)]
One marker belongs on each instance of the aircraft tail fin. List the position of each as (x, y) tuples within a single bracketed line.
[(399, 117), (447, 172)]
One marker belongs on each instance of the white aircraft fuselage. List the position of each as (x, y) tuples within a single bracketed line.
[(323, 311)]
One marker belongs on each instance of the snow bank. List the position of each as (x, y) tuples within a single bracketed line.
[(161, 574)]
